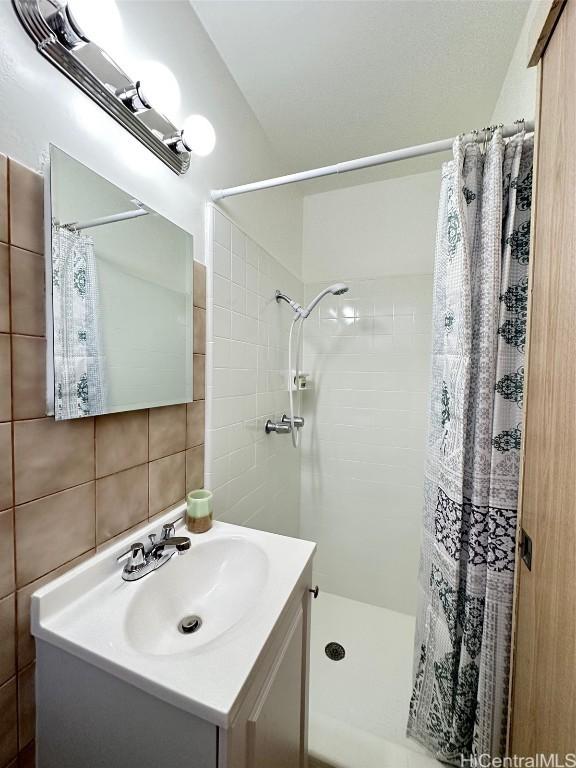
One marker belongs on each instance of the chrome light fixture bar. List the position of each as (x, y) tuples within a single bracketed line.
[(134, 98), (60, 40)]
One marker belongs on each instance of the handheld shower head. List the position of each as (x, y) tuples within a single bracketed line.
[(301, 314), (337, 290)]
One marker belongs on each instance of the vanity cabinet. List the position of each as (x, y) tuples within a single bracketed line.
[(88, 717), (274, 726), (271, 728)]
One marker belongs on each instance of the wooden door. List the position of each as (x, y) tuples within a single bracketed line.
[(544, 688)]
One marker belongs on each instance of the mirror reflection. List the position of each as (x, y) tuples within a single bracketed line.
[(121, 298)]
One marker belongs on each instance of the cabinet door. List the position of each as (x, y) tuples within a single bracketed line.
[(274, 727)]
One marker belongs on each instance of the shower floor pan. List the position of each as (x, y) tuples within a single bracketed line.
[(359, 703)]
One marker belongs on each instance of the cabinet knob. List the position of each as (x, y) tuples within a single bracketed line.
[(315, 591)]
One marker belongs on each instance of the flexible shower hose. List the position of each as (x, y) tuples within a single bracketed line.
[(295, 434)]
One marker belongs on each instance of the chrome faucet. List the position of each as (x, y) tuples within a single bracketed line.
[(144, 560)]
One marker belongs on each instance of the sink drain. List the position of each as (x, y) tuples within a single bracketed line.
[(335, 651), (190, 624)]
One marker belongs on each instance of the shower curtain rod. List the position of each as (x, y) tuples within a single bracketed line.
[(78, 225), (367, 162)]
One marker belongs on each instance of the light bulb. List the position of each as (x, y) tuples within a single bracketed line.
[(159, 86), (100, 22), (198, 135)]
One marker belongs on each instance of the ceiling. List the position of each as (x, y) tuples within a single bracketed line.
[(334, 80)]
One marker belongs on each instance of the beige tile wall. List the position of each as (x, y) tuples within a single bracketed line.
[(66, 488)]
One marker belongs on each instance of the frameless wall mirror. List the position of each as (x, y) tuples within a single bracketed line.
[(121, 299)]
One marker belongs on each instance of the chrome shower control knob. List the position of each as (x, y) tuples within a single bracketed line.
[(298, 421), (280, 427)]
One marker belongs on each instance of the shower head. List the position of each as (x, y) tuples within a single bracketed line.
[(337, 290)]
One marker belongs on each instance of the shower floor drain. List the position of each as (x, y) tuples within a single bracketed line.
[(335, 651)]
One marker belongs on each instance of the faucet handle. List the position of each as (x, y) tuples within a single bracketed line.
[(137, 557), (298, 421), (168, 530)]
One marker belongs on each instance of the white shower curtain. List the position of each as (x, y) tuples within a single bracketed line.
[(459, 700), (78, 364)]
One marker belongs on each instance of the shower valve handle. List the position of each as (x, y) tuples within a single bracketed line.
[(315, 591), (281, 427), (298, 421)]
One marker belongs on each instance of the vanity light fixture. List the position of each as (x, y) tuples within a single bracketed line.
[(160, 86), (134, 98), (81, 38), (79, 22), (64, 27), (197, 136)]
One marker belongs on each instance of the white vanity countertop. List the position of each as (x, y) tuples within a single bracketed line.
[(95, 615)]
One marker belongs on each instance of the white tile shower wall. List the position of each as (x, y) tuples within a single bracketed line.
[(255, 477), (368, 353)]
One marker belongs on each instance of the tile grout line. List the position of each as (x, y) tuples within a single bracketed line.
[(53, 570), (55, 493)]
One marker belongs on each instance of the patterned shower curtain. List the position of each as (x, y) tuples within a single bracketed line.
[(78, 364), (462, 648)]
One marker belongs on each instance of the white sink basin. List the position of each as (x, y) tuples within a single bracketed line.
[(237, 580), (220, 582)]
